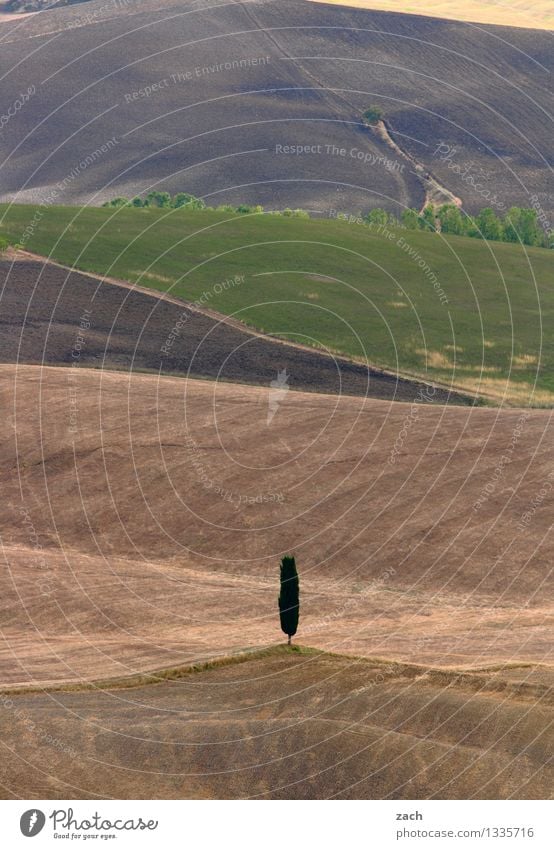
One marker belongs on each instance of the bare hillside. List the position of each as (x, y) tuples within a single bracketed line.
[(262, 102), (287, 726), (143, 520)]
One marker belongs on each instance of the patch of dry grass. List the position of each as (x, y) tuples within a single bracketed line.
[(537, 15)]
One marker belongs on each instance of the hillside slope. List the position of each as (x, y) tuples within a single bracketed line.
[(286, 725), (51, 315), (143, 519), (211, 98), (461, 312)]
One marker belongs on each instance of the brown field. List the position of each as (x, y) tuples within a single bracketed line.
[(514, 13), (285, 725), (147, 497), (150, 536), (140, 532)]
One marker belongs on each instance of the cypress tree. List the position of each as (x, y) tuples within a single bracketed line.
[(289, 602)]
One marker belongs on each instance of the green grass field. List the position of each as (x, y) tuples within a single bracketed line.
[(455, 310)]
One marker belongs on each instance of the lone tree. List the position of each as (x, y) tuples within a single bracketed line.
[(289, 603)]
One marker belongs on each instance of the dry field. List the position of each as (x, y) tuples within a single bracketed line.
[(504, 13), (47, 310), (143, 519), (286, 725)]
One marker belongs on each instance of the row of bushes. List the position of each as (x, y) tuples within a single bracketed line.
[(183, 200), (518, 224)]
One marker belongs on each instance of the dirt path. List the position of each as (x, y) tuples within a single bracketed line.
[(435, 193)]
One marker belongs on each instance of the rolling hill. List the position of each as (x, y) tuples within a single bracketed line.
[(143, 519), (466, 314), (214, 98), (53, 315), (155, 466), (287, 725)]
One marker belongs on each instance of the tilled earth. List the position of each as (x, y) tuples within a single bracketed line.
[(285, 725)]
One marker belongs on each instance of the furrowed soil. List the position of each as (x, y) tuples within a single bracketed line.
[(284, 725), (262, 102), (143, 519)]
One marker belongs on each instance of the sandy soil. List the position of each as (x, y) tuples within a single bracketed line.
[(143, 520)]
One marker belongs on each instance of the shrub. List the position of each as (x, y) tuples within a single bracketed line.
[(410, 219), (182, 199), (162, 200), (117, 202), (377, 217), (487, 225), (373, 115), (451, 219)]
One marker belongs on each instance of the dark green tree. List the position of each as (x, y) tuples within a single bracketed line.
[(376, 217), (488, 225), (117, 202), (427, 218), (410, 219), (160, 199), (289, 601), (451, 219), (522, 225), (188, 201)]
